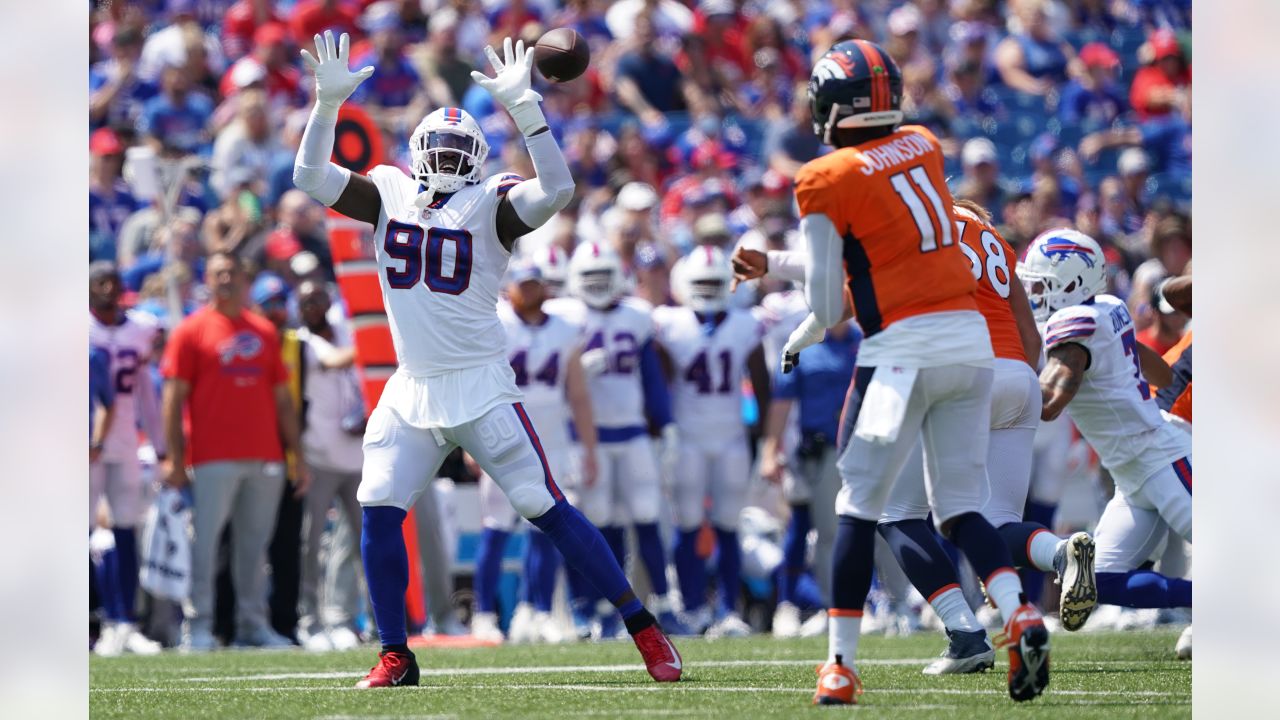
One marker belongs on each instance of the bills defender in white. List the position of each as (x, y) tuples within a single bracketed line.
[(128, 338), (1097, 371), (443, 239), (629, 395), (710, 347), (544, 353)]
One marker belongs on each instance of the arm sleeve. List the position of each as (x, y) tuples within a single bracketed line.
[(823, 275), (537, 199), (657, 398), (786, 265), (312, 171), (100, 387)]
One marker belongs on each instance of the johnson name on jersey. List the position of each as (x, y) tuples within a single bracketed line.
[(1112, 408), (539, 356), (441, 270), (709, 358), (617, 394), (129, 345)]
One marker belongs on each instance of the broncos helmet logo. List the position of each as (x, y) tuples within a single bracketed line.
[(1058, 250), (833, 66)]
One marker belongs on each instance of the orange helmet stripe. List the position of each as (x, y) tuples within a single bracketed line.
[(880, 92)]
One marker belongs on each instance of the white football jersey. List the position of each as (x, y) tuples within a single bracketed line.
[(539, 356), (709, 359), (617, 394), (129, 344), (441, 270), (1111, 408)]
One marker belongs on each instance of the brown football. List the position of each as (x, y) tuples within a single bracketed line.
[(561, 55)]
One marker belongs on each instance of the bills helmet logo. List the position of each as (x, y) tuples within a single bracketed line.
[(243, 345), (1058, 250)]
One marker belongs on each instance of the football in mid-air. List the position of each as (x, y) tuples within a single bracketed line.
[(561, 55)]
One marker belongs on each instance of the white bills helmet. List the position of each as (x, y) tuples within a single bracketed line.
[(1062, 268), (595, 275), (447, 150), (554, 264), (702, 280)]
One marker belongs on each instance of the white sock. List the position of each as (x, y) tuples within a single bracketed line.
[(1004, 588), (1042, 548), (843, 630), (954, 610)]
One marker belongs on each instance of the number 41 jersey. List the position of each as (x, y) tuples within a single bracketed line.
[(441, 270), (709, 355), (1112, 409)]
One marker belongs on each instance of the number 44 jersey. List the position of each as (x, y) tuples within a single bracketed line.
[(709, 355), (441, 270), (539, 356), (1112, 408)]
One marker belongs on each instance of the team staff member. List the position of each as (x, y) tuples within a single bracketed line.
[(222, 367)]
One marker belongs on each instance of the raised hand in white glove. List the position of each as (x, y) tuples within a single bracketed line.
[(810, 332), (594, 362), (334, 80), (669, 455), (510, 85)]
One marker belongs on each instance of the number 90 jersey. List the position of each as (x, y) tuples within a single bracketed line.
[(1112, 409), (129, 346), (709, 355), (440, 270), (617, 393), (539, 356)]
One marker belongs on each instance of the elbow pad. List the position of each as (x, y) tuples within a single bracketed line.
[(324, 183)]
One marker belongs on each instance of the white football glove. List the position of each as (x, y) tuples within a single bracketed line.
[(334, 80), (594, 362), (810, 332), (510, 85)]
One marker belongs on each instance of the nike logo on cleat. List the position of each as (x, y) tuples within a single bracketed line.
[(673, 665)]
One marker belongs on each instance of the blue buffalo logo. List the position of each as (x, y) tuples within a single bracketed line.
[(243, 345), (1059, 250)]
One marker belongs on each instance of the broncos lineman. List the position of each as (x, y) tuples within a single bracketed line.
[(628, 394), (709, 345), (443, 239), (1097, 369), (544, 353), (127, 338)]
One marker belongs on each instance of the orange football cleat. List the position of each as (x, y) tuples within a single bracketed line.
[(1028, 641), (837, 684)]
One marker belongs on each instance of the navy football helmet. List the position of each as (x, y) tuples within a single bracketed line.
[(855, 84)]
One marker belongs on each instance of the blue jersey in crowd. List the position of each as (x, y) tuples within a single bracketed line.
[(818, 382)]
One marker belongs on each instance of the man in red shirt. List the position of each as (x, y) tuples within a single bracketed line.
[(1157, 87), (222, 367), (312, 17)]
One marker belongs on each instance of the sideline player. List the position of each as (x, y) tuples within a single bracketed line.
[(544, 353), (878, 221), (709, 345), (1098, 369), (128, 339), (629, 394), (443, 239)]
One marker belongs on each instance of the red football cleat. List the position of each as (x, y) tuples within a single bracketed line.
[(661, 658), (393, 669), (837, 684)]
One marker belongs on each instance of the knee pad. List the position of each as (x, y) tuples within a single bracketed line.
[(531, 500)]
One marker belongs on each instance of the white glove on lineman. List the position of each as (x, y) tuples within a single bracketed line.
[(594, 361), (510, 85), (669, 455), (810, 332), (334, 80)]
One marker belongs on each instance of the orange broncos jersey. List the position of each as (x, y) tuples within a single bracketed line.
[(991, 261), (889, 200)]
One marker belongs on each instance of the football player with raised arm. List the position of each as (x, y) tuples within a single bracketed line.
[(443, 237)]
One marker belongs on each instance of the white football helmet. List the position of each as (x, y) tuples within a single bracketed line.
[(595, 275), (1062, 268), (447, 150), (702, 280), (554, 264)]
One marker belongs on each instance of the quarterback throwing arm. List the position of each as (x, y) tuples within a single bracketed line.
[(527, 205)]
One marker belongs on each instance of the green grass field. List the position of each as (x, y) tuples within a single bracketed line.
[(1102, 675)]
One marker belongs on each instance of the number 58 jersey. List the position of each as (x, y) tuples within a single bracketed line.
[(709, 355), (441, 269), (1111, 408)]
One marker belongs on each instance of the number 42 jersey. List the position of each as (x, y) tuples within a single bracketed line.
[(1112, 408), (709, 355)]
